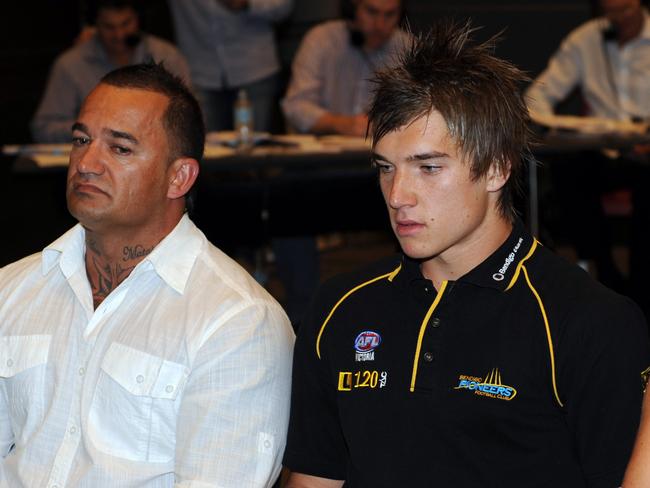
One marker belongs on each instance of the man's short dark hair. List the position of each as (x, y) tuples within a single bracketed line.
[(93, 7), (182, 120), (477, 94)]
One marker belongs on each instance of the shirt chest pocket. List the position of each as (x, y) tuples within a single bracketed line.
[(23, 362), (135, 405)]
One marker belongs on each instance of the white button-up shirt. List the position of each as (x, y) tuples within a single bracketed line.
[(180, 377), (615, 80)]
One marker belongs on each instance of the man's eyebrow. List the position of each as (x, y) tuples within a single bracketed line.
[(80, 127), (427, 156), (377, 157), (122, 135)]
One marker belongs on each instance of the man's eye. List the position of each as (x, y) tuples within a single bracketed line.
[(429, 168), (381, 167), (80, 140), (121, 150)]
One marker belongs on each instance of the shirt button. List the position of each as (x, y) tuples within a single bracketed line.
[(139, 378), (10, 362), (73, 430), (435, 322), (169, 388), (82, 371), (428, 356)]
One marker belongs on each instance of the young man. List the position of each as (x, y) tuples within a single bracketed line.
[(132, 351), (117, 41), (477, 357)]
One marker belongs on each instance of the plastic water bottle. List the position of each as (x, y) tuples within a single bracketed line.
[(243, 111)]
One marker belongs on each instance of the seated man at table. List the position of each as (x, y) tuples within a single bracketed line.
[(329, 89), (476, 357), (132, 351), (117, 42), (608, 59)]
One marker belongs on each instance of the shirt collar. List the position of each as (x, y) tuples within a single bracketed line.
[(497, 271), (68, 251), (172, 259), (96, 51)]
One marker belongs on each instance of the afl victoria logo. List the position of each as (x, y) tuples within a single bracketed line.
[(367, 341)]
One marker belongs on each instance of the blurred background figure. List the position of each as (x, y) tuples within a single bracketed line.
[(329, 90), (608, 60), (230, 44), (115, 41)]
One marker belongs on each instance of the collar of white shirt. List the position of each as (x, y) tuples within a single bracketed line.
[(173, 258)]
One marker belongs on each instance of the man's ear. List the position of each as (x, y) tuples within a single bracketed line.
[(182, 175), (497, 176)]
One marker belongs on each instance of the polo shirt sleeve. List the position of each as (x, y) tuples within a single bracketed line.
[(315, 443), (600, 360)]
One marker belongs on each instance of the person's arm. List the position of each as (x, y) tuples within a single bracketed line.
[(558, 79), (638, 471), (600, 361), (58, 108), (299, 480), (302, 104), (233, 416), (348, 125)]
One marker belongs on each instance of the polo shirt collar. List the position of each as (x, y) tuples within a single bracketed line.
[(499, 268), (495, 272)]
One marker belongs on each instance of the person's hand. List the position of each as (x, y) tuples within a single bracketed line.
[(352, 125), (234, 5), (641, 149)]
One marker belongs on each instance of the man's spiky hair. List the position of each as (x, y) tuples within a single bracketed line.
[(477, 94)]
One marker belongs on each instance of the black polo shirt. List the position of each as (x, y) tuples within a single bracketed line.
[(525, 372)]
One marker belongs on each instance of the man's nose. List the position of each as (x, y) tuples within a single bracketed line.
[(401, 191)]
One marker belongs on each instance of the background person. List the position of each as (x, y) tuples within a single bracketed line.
[(230, 45), (608, 60), (117, 41), (329, 91), (133, 351), (476, 357)]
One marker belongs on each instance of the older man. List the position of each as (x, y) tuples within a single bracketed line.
[(132, 351)]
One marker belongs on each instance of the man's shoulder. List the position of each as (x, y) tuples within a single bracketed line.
[(14, 274), (160, 47), (330, 31), (217, 273), (571, 295), (75, 57), (587, 33), (337, 287)]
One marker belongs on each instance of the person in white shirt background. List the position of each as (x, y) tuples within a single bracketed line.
[(608, 60), (132, 351)]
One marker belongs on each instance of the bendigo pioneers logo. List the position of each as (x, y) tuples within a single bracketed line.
[(365, 345), (491, 387)]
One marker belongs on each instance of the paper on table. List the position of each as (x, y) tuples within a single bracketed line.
[(589, 125)]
